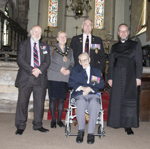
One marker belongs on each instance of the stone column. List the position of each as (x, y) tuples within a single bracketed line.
[(0, 37), (2, 26)]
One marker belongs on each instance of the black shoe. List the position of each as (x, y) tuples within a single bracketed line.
[(90, 139), (53, 124), (80, 136), (129, 131), (61, 124), (42, 129), (19, 131)]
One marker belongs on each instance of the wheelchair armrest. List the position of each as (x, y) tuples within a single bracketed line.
[(101, 90), (70, 88)]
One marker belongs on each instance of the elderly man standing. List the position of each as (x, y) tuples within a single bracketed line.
[(33, 60), (86, 81), (124, 75)]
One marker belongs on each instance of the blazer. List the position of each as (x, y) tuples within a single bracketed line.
[(24, 63), (78, 78), (97, 56), (57, 63)]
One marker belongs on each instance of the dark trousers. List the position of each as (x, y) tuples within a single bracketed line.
[(39, 93)]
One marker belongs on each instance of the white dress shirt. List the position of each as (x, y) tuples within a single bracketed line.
[(88, 69), (88, 74)]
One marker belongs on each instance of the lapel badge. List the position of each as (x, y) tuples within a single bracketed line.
[(43, 47), (93, 38), (80, 39)]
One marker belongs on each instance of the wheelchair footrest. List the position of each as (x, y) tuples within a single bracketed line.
[(72, 134)]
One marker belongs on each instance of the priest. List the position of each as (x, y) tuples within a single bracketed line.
[(124, 75)]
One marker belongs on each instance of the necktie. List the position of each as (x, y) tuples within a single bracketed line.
[(87, 45), (85, 73), (36, 59)]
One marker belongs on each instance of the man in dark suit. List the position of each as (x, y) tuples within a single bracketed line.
[(91, 44), (86, 81), (33, 60)]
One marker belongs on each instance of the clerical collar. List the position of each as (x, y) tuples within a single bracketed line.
[(123, 41)]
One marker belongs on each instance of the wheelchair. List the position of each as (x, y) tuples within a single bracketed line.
[(70, 116)]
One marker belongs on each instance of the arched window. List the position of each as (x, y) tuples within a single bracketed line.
[(52, 13), (99, 14)]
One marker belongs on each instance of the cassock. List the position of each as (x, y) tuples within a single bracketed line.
[(125, 65)]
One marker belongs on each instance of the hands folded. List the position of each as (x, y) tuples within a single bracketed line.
[(36, 72), (64, 71), (86, 90)]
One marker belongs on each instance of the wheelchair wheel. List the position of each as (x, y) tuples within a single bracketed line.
[(67, 130), (100, 131)]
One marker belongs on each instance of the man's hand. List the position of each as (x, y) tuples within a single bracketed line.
[(110, 83), (138, 82), (36, 72), (86, 90)]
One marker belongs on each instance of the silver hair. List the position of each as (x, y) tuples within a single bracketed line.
[(87, 19), (84, 53)]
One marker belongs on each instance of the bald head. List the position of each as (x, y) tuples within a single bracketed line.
[(36, 32)]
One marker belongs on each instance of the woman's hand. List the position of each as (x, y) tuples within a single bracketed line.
[(64, 71), (67, 72)]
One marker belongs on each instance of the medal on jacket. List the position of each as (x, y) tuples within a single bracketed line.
[(65, 59), (63, 54), (96, 51)]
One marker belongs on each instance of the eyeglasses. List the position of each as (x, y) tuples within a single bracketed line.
[(85, 60), (123, 31)]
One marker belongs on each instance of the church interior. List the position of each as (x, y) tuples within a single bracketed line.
[(17, 17)]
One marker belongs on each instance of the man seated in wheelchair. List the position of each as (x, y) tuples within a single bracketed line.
[(86, 81)]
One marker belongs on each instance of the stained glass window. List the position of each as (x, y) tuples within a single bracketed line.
[(99, 14), (52, 13)]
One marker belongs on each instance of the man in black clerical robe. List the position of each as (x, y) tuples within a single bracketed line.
[(124, 75)]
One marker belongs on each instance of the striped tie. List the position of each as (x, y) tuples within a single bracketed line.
[(36, 59), (87, 45)]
